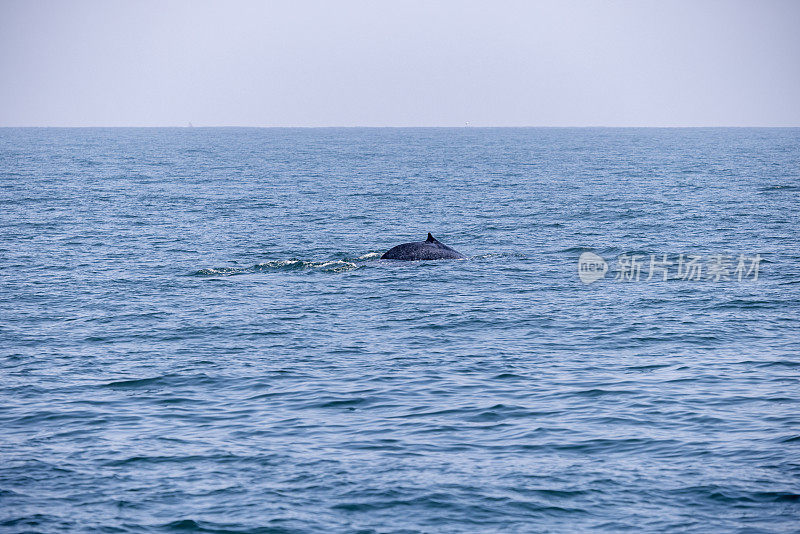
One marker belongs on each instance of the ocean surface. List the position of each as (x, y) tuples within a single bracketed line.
[(197, 333)]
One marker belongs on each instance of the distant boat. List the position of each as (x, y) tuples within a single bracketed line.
[(190, 125)]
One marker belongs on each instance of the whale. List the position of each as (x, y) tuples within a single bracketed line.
[(430, 249)]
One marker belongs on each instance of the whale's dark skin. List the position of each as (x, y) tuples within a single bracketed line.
[(430, 249)]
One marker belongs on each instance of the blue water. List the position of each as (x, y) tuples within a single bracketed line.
[(196, 333)]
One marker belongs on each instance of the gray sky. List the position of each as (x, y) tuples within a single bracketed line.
[(400, 63)]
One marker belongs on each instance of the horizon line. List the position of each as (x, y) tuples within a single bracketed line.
[(465, 127)]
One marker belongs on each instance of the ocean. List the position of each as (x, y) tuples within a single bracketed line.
[(197, 333)]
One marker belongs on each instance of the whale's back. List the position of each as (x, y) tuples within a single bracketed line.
[(431, 249)]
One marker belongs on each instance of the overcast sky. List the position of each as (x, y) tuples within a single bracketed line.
[(400, 63)]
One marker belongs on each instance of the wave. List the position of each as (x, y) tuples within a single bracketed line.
[(333, 266), (779, 188)]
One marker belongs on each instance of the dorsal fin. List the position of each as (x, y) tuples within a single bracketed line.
[(430, 239)]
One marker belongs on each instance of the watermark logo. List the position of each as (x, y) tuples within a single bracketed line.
[(591, 267), (688, 267)]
